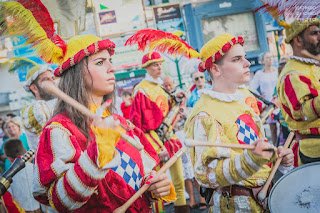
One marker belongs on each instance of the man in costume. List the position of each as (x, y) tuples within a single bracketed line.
[(37, 114), (298, 88), (222, 115), (151, 104)]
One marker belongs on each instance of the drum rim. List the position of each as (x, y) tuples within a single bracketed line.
[(284, 176)]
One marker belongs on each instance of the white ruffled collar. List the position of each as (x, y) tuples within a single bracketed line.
[(226, 97), (305, 60), (149, 78)]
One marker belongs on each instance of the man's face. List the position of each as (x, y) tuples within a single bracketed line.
[(234, 68), (155, 69), (168, 84), (46, 76), (198, 80), (311, 40)]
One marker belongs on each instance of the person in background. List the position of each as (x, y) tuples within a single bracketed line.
[(298, 89), (39, 112), (2, 134), (168, 84), (19, 195), (188, 173), (198, 79), (126, 104), (266, 80), (151, 105), (9, 116), (13, 129)]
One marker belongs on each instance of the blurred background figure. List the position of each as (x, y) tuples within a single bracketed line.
[(168, 84), (9, 116), (198, 79), (188, 173), (264, 82), (13, 129), (19, 195), (126, 104)]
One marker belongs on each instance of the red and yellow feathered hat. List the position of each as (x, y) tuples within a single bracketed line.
[(148, 59), (31, 19), (157, 40), (217, 47)]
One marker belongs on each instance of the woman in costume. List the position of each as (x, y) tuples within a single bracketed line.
[(82, 165)]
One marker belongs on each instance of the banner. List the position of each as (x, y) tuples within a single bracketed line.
[(116, 17), (168, 18)]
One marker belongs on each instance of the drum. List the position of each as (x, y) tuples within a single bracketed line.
[(298, 191)]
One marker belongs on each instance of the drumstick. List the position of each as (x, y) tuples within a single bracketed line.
[(191, 143), (262, 194), (52, 89), (270, 111), (145, 187)]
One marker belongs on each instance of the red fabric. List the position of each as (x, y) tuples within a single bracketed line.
[(172, 146), (307, 81), (9, 204), (125, 110), (295, 150), (103, 44), (145, 114), (112, 190), (259, 103), (291, 94)]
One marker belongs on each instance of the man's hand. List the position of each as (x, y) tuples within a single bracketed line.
[(287, 155), (164, 156), (181, 94), (260, 146)]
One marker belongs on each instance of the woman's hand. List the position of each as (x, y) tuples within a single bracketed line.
[(108, 122), (159, 185)]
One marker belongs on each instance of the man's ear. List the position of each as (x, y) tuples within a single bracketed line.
[(215, 70), (298, 41), (34, 88)]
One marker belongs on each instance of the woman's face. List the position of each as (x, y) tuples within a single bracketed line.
[(13, 130), (102, 73)]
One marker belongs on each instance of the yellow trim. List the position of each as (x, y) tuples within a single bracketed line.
[(151, 62)]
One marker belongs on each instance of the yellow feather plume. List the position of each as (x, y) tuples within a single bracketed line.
[(172, 46), (25, 24)]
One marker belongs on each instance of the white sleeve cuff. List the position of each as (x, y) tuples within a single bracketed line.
[(284, 170)]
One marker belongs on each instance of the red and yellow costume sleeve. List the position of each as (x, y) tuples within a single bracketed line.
[(10, 205), (68, 168), (301, 98)]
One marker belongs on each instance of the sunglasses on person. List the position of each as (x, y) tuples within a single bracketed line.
[(197, 78)]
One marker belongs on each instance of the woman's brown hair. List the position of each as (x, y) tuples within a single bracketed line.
[(72, 83)]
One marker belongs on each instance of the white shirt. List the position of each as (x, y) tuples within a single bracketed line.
[(266, 81)]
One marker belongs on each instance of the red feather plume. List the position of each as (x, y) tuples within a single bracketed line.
[(146, 36), (42, 16)]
